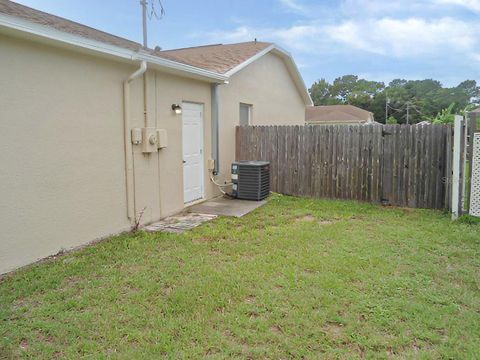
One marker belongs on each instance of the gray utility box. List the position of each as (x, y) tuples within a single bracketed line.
[(251, 180)]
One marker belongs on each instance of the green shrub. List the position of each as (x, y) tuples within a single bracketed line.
[(469, 220)]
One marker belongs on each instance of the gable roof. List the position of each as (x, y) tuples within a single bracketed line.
[(218, 57), (337, 114), (228, 59), (213, 62)]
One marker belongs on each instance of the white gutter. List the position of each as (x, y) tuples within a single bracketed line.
[(173, 65), (129, 175)]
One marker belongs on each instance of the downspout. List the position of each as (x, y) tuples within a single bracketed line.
[(215, 139), (129, 179), (215, 130)]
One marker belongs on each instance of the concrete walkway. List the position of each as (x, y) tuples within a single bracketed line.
[(198, 214), (179, 223), (225, 206)]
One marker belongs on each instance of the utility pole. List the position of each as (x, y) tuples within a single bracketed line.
[(386, 109), (408, 112), (144, 16)]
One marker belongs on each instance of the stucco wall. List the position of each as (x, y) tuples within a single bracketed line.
[(269, 87), (61, 143), (173, 90), (62, 179)]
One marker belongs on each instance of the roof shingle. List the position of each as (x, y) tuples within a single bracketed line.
[(219, 58), (39, 17)]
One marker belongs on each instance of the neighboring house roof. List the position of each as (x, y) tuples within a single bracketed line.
[(329, 114), (213, 62)]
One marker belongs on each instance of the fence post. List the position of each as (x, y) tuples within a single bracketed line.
[(457, 157)]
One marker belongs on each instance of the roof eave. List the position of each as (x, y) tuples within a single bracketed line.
[(174, 66), (13, 24)]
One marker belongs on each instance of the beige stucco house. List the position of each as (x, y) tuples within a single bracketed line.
[(91, 132)]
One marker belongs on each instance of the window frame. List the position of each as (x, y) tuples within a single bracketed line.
[(249, 113)]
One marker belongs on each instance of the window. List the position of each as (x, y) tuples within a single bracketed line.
[(245, 114)]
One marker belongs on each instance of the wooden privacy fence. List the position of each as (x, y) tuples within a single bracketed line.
[(404, 165)]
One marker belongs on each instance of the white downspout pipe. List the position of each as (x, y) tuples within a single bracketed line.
[(215, 129), (129, 178)]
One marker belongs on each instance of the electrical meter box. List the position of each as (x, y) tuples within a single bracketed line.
[(149, 143)]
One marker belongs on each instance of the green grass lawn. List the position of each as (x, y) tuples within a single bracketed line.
[(297, 278)]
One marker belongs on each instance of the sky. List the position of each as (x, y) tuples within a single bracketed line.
[(375, 39)]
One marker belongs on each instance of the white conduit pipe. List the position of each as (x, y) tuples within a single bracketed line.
[(129, 178)]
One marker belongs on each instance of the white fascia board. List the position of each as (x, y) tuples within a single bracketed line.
[(299, 79), (249, 61), (290, 64), (46, 32)]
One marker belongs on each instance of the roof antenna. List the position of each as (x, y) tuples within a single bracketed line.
[(153, 13)]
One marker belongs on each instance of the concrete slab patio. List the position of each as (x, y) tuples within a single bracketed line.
[(226, 206), (179, 223), (206, 211)]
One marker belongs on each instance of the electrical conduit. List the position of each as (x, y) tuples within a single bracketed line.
[(129, 176)]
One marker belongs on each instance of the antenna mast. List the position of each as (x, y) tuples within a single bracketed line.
[(146, 16)]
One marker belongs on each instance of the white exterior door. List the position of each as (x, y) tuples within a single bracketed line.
[(193, 164)]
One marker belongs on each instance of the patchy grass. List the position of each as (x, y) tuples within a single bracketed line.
[(297, 278)]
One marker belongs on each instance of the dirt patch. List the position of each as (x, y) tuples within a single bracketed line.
[(277, 329), (214, 252), (325, 222), (202, 240), (333, 330), (248, 257), (228, 333), (45, 338), (306, 218), (72, 281), (25, 303), (167, 290), (24, 344), (253, 314), (250, 299), (277, 287)]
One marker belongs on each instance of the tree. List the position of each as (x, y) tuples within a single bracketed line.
[(446, 116), (425, 99), (392, 120), (320, 93)]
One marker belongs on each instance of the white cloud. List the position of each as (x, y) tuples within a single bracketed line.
[(398, 38), (472, 5), (293, 5), (407, 37)]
